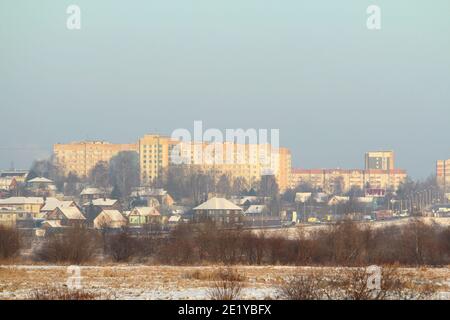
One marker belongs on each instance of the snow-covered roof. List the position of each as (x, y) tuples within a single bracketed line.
[(101, 202), (14, 173), (53, 203), (72, 213), (243, 200), (52, 223), (145, 211), (218, 204), (174, 218), (22, 200), (40, 180), (148, 192), (254, 209), (91, 191), (111, 216)]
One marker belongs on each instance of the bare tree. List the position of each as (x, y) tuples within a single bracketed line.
[(124, 172), (71, 184), (224, 185), (99, 176), (9, 242), (49, 169), (122, 246), (76, 245), (239, 186)]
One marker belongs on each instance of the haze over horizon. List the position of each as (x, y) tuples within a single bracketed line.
[(312, 69)]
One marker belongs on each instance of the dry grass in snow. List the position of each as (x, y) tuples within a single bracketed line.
[(173, 282)]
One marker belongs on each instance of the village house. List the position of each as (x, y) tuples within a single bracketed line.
[(246, 201), (152, 197), (144, 215), (110, 219), (41, 186), (219, 210), (70, 216), (51, 225), (16, 218), (93, 208), (257, 210), (52, 203), (8, 217), (8, 184), (89, 194), (30, 205), (19, 175)]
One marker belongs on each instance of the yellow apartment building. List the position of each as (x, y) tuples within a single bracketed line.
[(154, 156), (81, 157), (238, 160), (379, 160), (443, 174), (249, 161), (329, 180)]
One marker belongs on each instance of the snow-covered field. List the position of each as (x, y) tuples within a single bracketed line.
[(171, 282)]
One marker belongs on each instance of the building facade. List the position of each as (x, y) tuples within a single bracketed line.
[(341, 180), (248, 161), (379, 173), (81, 157), (154, 156), (379, 160), (443, 174)]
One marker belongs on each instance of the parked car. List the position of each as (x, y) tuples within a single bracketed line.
[(313, 220)]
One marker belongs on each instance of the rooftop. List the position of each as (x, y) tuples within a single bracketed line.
[(218, 204)]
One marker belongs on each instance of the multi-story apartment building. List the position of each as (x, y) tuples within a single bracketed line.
[(81, 157), (154, 156), (443, 174), (249, 161), (379, 173), (379, 160), (331, 180)]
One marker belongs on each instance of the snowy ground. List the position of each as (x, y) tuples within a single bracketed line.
[(170, 282), (306, 229)]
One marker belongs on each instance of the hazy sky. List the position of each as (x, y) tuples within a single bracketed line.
[(310, 68)]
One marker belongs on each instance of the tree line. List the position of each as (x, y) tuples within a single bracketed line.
[(343, 244)]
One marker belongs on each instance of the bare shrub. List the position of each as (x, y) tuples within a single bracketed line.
[(76, 245), (302, 288), (122, 246), (9, 242), (420, 244), (346, 243), (64, 293), (180, 247), (228, 286), (353, 284), (216, 275)]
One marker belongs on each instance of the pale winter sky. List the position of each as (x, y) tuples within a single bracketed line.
[(310, 68)]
